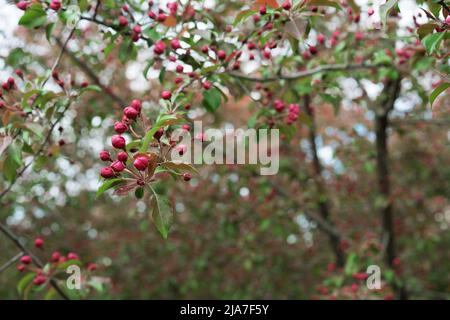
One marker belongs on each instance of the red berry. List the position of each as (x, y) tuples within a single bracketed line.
[(313, 50), (20, 267), (320, 38), (152, 15), (22, 5), (55, 5), (359, 36), (180, 68), (370, 11), (72, 256), (55, 256), (122, 156), (158, 134), (166, 95), (160, 47), (205, 49), (262, 10), (38, 242), (141, 163), (137, 29), (207, 85), (175, 43), (187, 176), (130, 113), (118, 166), (107, 172), (39, 279), (11, 82), (136, 104), (178, 80), (120, 127), (91, 267), (221, 54), (105, 156), (173, 6), (279, 105), (161, 17), (118, 141), (25, 259), (123, 22), (287, 5)]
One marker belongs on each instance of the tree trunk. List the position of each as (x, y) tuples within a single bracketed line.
[(323, 204)]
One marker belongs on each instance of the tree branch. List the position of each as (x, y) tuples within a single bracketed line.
[(9, 234), (92, 75), (323, 205), (10, 262), (307, 73)]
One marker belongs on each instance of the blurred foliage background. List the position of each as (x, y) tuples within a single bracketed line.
[(235, 236)]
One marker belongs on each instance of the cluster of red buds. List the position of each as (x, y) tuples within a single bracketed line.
[(119, 164), (43, 275)]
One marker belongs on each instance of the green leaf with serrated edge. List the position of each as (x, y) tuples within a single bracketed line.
[(108, 185), (162, 214), (436, 92)]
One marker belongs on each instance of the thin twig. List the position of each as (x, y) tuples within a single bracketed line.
[(10, 262), (92, 75), (58, 59)]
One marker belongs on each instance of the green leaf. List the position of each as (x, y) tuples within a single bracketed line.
[(91, 88), (12, 163), (179, 166), (139, 192), (25, 282), (436, 92), (108, 185), (211, 99), (34, 16), (162, 73), (242, 16), (426, 29), (385, 9), (162, 214), (49, 30), (432, 41), (351, 266), (163, 120), (68, 263)]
